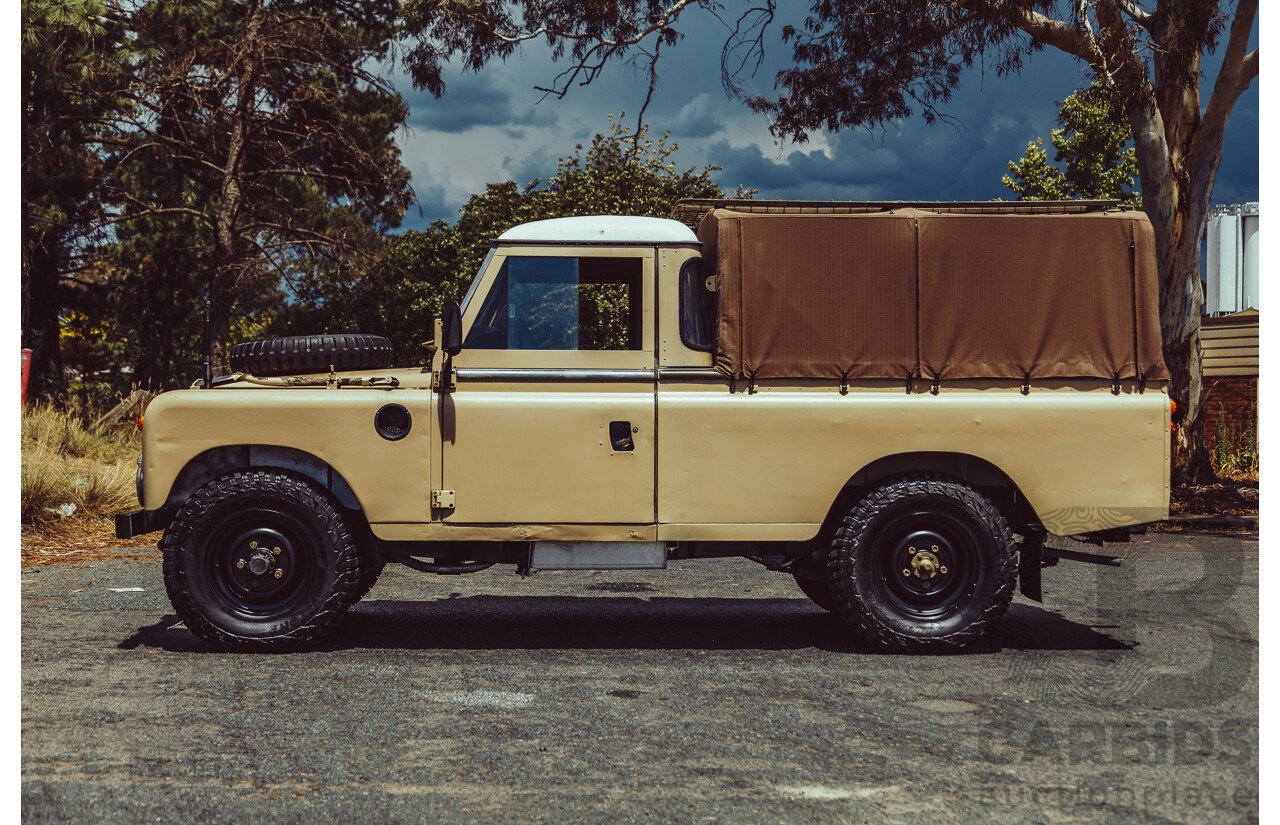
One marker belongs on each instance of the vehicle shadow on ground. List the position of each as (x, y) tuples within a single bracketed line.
[(486, 622)]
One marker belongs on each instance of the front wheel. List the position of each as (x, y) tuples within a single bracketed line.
[(260, 560), (924, 564)]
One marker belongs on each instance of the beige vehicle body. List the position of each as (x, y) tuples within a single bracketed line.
[(523, 446), (522, 443)]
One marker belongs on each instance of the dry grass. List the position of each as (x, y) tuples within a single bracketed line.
[(80, 540), (65, 464)]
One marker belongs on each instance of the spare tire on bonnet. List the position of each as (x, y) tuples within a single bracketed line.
[(311, 353)]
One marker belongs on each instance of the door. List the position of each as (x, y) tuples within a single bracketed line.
[(552, 420)]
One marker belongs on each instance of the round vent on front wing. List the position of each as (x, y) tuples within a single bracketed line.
[(392, 422)]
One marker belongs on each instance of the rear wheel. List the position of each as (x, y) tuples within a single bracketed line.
[(925, 564), (260, 560)]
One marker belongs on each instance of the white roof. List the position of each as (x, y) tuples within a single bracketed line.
[(602, 228)]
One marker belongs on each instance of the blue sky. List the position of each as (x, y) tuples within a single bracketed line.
[(491, 127)]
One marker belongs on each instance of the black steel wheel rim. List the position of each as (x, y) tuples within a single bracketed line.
[(925, 564), (261, 564)]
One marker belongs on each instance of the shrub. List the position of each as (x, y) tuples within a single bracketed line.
[(1235, 454)]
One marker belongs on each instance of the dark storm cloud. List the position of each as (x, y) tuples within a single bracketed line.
[(994, 118), (1238, 174), (432, 204), (474, 100), (989, 123), (701, 117), (540, 163), (803, 169)]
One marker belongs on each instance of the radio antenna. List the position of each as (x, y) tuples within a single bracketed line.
[(208, 360)]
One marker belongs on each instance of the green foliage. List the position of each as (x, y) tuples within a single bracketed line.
[(399, 295), (175, 151), (620, 174), (261, 147), (417, 272), (1094, 145), (71, 70)]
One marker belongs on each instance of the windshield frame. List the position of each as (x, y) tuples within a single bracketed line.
[(475, 279)]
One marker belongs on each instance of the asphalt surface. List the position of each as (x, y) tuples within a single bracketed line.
[(710, 692)]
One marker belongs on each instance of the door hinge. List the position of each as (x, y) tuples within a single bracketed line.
[(442, 499)]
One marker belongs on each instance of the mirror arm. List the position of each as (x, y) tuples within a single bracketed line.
[(443, 379)]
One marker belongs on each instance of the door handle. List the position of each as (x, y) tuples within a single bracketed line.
[(620, 436)]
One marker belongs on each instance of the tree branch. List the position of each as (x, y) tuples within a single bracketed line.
[(148, 211), (1056, 33), (653, 84), (747, 46), (1238, 71), (1136, 14), (656, 24)]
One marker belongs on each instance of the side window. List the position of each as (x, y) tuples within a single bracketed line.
[(696, 309), (561, 304)]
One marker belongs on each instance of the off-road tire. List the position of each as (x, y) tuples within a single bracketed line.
[(905, 612), (311, 354), (817, 589), (243, 517)]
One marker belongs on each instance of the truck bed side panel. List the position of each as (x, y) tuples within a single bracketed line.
[(1083, 460)]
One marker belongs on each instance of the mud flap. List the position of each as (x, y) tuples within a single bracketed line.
[(1029, 559), (139, 522)]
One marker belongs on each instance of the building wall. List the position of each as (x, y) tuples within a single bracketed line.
[(1230, 374), (1230, 345), (1234, 402)]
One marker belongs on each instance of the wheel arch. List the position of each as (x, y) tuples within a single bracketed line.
[(972, 470), (219, 461)]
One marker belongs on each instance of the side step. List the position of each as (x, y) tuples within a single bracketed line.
[(598, 555)]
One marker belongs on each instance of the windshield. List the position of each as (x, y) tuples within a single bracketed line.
[(475, 279)]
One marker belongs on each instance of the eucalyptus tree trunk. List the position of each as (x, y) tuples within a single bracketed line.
[(1178, 152)]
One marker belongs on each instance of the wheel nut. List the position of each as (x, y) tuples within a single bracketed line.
[(275, 550), (280, 573), (913, 550), (942, 570), (935, 548), (253, 545), (906, 572), (254, 583), (240, 564)]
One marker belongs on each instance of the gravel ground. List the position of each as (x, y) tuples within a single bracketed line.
[(711, 692)]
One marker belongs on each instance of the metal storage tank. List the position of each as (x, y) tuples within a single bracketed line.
[(1231, 259)]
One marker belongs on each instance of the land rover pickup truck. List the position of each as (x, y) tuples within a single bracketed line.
[(896, 406)]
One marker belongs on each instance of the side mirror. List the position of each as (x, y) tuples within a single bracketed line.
[(451, 338)]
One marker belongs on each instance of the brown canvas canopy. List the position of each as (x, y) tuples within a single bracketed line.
[(939, 295)]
